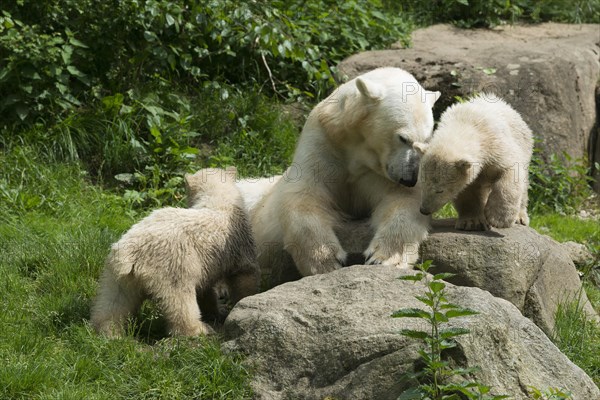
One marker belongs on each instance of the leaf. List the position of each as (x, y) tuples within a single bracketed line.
[(425, 300), (417, 277), (489, 71), (78, 43), (437, 287), (74, 71), (170, 19), (411, 333), (411, 313), (425, 265), (22, 111), (452, 332), (443, 276), (461, 312), (440, 317), (413, 393)]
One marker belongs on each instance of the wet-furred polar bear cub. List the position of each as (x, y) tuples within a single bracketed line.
[(175, 252), (478, 157)]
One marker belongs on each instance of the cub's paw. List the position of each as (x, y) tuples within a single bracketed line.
[(500, 220), (320, 259), (522, 218), (472, 224)]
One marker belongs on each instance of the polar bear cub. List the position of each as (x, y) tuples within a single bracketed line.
[(478, 157), (175, 253)]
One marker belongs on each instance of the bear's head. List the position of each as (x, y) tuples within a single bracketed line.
[(443, 175), (376, 118), (212, 187)]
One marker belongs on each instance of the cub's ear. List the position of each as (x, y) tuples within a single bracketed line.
[(420, 147), (431, 97), (231, 173), (464, 164), (369, 89)]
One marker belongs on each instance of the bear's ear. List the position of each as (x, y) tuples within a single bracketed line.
[(431, 97), (420, 147), (463, 164), (231, 172), (369, 89)]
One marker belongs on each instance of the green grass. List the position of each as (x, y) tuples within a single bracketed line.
[(563, 228), (55, 231), (578, 337)]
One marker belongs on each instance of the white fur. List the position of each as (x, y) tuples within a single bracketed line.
[(254, 189), (478, 157), (174, 252), (348, 163)]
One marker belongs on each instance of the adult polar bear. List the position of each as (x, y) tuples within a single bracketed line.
[(354, 159)]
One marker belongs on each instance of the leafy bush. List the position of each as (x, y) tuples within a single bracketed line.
[(561, 184), (143, 141), (488, 13), (56, 49)]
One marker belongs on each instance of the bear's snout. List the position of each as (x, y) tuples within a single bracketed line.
[(410, 183), (404, 168), (424, 211)]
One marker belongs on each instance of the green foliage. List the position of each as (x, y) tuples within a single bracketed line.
[(550, 394), (560, 184), (38, 70), (435, 377), (52, 50), (143, 141), (488, 13), (577, 335)]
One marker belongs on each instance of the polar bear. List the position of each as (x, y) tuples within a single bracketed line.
[(175, 253), (354, 159), (254, 189), (478, 157)]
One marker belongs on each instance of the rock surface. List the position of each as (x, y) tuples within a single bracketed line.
[(548, 72), (332, 335), (530, 270), (578, 253)]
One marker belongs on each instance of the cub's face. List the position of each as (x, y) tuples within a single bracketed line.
[(441, 177)]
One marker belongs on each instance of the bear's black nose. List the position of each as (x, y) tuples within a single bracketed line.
[(408, 182), (424, 211)]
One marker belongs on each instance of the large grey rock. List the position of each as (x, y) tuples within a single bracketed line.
[(530, 270), (332, 335), (548, 72)]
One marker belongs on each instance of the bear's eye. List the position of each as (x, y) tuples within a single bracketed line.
[(402, 139), (439, 191)]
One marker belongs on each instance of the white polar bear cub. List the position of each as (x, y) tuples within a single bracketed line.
[(478, 157), (354, 159), (174, 253)]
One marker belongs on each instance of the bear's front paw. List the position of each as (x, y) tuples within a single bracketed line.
[(472, 224), (379, 255)]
